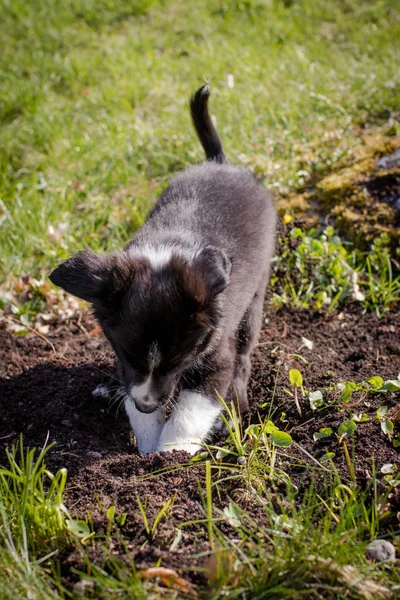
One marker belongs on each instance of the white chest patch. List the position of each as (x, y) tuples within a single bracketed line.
[(154, 358)]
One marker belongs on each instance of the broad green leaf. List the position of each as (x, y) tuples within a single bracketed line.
[(388, 468), (269, 427), (347, 428), (232, 515), (347, 391), (121, 519), (110, 513), (78, 528), (392, 385), (19, 332), (199, 457), (295, 378), (253, 431), (359, 418), (375, 381), (281, 439), (327, 457), (381, 412), (324, 432), (316, 400), (387, 426)]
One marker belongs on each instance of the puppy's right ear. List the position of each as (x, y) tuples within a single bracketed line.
[(85, 275)]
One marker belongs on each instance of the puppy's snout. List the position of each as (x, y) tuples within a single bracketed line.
[(146, 404)]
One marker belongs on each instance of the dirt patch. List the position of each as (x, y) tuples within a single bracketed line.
[(45, 392)]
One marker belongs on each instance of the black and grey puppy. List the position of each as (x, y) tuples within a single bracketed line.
[(182, 303)]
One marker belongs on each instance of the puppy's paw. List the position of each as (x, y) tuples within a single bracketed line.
[(190, 447)]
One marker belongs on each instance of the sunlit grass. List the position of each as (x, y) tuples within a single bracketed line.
[(307, 541), (94, 117)]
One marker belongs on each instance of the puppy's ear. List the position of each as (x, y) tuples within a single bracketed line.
[(85, 275), (215, 267)]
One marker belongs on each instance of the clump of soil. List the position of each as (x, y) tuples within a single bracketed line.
[(363, 197), (46, 388)]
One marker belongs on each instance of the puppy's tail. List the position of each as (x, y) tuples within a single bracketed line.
[(206, 131)]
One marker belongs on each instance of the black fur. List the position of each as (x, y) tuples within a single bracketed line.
[(204, 126)]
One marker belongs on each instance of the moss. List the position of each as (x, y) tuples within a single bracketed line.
[(358, 196)]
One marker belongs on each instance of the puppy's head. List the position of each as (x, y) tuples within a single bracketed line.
[(160, 318)]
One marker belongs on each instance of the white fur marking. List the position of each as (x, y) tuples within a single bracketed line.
[(139, 392), (158, 256), (146, 427), (190, 423), (154, 358)]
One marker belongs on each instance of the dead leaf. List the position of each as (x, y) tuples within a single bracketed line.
[(350, 576), (169, 578)]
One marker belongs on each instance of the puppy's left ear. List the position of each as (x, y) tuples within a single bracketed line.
[(216, 268)]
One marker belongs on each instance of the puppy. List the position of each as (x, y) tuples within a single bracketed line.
[(182, 303)]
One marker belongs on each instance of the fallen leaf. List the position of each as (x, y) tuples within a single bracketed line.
[(169, 578)]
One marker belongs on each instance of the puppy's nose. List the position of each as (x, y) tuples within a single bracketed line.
[(146, 404)]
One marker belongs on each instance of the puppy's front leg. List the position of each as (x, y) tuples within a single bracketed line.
[(146, 427), (190, 422)]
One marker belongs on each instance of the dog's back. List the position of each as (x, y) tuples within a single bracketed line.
[(217, 204)]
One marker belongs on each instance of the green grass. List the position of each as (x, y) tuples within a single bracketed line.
[(94, 117), (310, 544), (20, 579)]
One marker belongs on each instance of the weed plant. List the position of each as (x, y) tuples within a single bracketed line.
[(317, 269)]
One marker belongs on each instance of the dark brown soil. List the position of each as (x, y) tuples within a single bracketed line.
[(46, 391)]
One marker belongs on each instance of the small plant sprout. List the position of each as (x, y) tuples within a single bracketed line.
[(387, 425), (390, 475), (267, 438), (113, 519), (347, 429), (151, 529), (323, 433), (316, 400), (232, 422), (296, 380)]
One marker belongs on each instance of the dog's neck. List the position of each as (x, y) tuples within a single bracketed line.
[(159, 255)]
